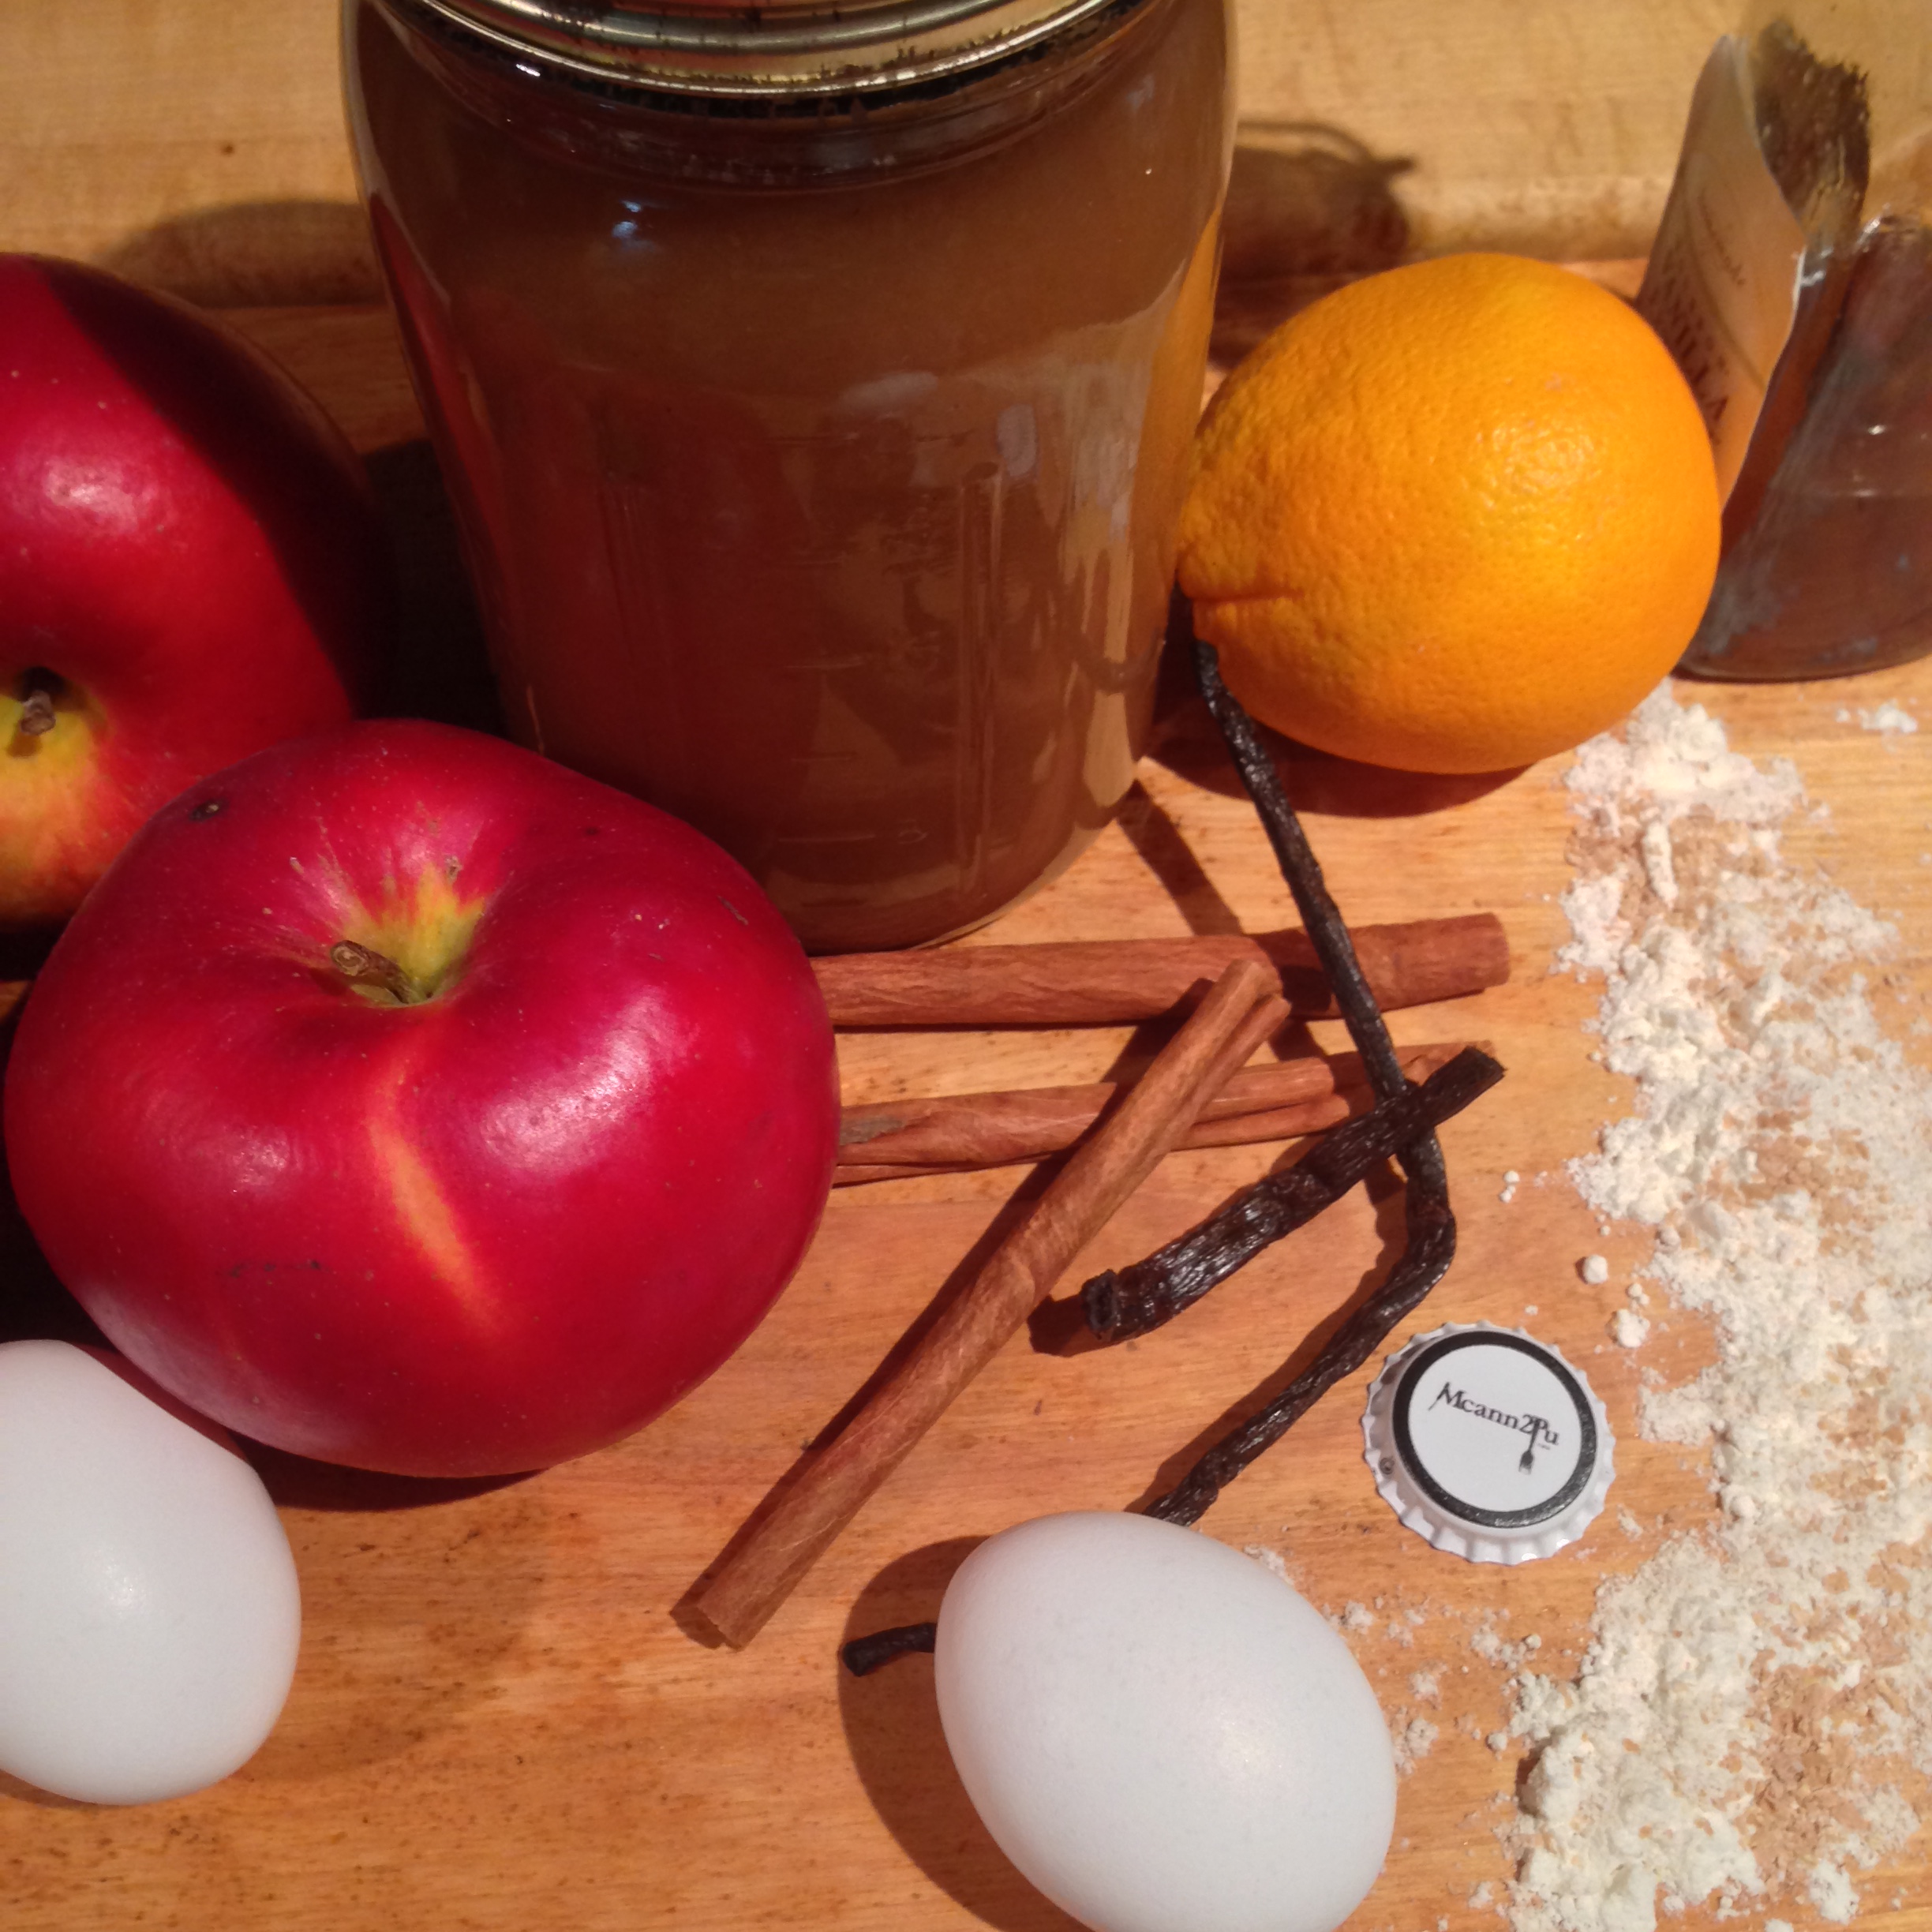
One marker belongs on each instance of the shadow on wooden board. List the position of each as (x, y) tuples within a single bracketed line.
[(891, 1727), (257, 255), (1186, 739)]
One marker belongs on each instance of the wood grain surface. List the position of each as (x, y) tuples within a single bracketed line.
[(199, 146), (500, 1721)]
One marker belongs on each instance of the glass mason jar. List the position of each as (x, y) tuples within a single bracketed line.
[(1827, 564), (812, 387)]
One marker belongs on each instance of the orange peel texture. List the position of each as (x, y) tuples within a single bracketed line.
[(1452, 517)]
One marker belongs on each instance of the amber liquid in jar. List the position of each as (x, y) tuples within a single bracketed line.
[(817, 466), (1828, 560)]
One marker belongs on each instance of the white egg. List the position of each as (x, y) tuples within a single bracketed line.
[(1162, 1735), (149, 1612)]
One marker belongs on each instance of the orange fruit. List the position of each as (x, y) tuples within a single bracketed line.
[(1451, 517)]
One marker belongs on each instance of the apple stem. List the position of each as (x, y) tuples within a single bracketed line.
[(367, 967), (36, 713)]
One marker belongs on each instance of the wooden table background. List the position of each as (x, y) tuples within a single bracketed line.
[(198, 145), (498, 1721)]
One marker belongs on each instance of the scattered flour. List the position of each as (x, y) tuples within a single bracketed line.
[(1493, 1649), (1628, 1329), (1270, 1560), (1832, 1893), (1888, 717), (1594, 1269), (1414, 1737), (1755, 1697)]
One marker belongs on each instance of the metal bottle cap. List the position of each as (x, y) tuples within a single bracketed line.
[(1488, 1443)]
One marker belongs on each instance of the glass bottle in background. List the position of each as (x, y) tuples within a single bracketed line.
[(1793, 278), (813, 386)]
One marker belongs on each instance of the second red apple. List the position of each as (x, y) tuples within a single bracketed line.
[(191, 567)]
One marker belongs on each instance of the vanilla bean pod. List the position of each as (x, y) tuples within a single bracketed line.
[(1431, 1247), (1135, 1301), (1326, 1174), (1320, 917), (863, 1655), (1431, 1225)]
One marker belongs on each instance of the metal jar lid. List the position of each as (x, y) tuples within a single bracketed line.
[(781, 48), (1487, 1442)]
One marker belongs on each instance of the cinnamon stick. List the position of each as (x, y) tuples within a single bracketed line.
[(1093, 983), (755, 1578), (949, 1133)]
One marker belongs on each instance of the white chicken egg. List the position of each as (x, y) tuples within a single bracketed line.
[(1162, 1735), (149, 1612)]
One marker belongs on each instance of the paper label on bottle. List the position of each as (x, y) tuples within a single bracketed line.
[(1722, 285)]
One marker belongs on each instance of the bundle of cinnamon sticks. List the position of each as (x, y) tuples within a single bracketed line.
[(1121, 981)]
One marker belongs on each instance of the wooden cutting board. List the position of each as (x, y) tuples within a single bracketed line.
[(498, 1721)]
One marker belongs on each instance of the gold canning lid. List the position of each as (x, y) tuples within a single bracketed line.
[(786, 48)]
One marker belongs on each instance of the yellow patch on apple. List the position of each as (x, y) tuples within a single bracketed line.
[(423, 924), (61, 819)]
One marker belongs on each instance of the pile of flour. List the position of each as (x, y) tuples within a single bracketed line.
[(1756, 1702)]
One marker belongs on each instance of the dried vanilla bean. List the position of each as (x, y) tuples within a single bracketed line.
[(1350, 1152), (1319, 916), (1431, 1225), (1432, 1245), (863, 1655), (1135, 1301)]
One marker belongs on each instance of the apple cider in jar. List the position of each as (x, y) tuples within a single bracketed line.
[(814, 390)]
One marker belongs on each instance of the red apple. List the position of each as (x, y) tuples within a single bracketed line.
[(191, 567), (402, 1098)]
